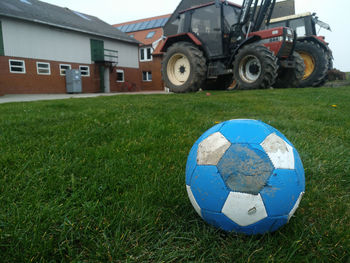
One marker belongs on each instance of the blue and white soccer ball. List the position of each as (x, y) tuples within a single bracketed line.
[(245, 176)]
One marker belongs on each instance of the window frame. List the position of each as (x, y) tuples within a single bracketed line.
[(148, 74), (144, 51), (23, 67), (120, 71), (48, 68), (69, 67), (81, 71)]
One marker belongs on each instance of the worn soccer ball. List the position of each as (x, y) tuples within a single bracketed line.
[(245, 176)]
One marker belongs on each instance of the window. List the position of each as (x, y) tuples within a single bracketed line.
[(206, 23), (17, 66), (299, 26), (120, 75), (63, 68), (81, 15), (146, 54), (147, 76), (150, 34), (85, 71), (43, 68), (231, 15)]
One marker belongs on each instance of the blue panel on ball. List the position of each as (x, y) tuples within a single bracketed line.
[(208, 188), (245, 169), (209, 132), (191, 163), (245, 131), (299, 169), (268, 224), (219, 220), (281, 193)]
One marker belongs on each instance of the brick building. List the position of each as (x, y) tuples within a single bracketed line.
[(149, 32), (39, 42)]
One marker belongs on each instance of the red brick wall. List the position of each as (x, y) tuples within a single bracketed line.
[(32, 83), (153, 66), (132, 80)]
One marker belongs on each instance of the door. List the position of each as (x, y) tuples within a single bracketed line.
[(206, 24), (106, 80)]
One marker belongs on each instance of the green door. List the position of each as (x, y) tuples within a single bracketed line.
[(97, 50)]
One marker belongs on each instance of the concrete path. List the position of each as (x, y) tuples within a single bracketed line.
[(37, 97)]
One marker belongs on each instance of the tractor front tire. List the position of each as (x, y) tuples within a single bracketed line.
[(316, 63), (184, 68), (291, 77), (255, 67)]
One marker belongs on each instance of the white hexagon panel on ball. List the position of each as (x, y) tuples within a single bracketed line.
[(297, 203), (212, 149), (244, 209), (279, 151), (193, 201)]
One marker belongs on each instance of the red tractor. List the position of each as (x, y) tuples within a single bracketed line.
[(313, 49), (219, 42)]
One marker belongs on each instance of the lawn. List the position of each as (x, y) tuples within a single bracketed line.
[(103, 179)]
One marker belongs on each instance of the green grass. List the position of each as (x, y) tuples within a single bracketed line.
[(103, 179)]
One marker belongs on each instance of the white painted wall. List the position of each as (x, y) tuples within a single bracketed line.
[(31, 40), (128, 55)]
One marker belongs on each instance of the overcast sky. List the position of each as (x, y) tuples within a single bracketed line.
[(336, 13)]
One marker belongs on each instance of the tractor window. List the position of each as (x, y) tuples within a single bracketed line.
[(206, 24), (180, 23), (231, 16), (278, 24), (299, 26)]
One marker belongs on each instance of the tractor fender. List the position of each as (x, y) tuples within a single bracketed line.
[(247, 41), (185, 37), (318, 40)]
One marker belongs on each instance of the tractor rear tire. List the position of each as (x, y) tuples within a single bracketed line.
[(316, 63), (255, 67), (184, 68), (330, 67), (291, 77)]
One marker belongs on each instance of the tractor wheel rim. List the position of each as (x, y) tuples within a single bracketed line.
[(309, 64), (250, 69), (178, 69)]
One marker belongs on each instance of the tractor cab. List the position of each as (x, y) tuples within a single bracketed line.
[(211, 24), (303, 24), (313, 48)]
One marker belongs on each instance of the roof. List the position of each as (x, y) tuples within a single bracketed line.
[(149, 36), (143, 24), (285, 18), (43, 13), (207, 4), (284, 8)]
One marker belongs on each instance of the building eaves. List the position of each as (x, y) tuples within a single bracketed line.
[(63, 18)]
